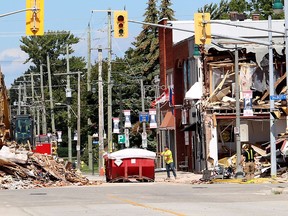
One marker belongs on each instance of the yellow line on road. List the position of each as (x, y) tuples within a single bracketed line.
[(148, 207)]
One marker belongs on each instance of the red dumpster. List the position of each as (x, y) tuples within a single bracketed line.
[(131, 163)]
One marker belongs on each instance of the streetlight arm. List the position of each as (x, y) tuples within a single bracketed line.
[(63, 104)]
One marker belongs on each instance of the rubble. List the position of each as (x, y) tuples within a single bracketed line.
[(24, 169)]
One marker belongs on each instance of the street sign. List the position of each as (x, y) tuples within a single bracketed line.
[(121, 138), (143, 116), (278, 97), (95, 142)]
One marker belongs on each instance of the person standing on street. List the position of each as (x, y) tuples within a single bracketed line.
[(168, 158), (248, 155)]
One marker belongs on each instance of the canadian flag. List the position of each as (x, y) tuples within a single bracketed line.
[(161, 99)]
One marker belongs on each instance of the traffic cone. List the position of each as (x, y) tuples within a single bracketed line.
[(102, 171)]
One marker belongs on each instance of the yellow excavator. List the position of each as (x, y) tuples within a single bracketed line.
[(4, 111)]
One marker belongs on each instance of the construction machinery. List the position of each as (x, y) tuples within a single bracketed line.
[(19, 128), (4, 111)]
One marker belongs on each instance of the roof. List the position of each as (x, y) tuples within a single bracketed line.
[(132, 153), (195, 92), (168, 122), (232, 31), (225, 28)]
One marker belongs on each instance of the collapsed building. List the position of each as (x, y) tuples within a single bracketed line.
[(204, 85)]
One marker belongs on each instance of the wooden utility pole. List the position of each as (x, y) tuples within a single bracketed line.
[(100, 111), (90, 151), (68, 97), (44, 126), (109, 85), (53, 130)]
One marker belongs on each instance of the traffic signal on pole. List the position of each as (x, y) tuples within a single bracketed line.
[(202, 28), (34, 17), (120, 24)]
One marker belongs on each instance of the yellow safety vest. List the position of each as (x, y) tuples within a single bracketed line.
[(167, 156), (250, 155)]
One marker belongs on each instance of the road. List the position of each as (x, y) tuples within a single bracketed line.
[(148, 199)]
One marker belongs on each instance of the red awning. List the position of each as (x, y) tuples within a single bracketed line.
[(168, 123)]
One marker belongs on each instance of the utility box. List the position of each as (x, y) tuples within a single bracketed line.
[(130, 164), (244, 132), (43, 148), (43, 145)]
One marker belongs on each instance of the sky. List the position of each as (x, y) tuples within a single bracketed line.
[(74, 16)]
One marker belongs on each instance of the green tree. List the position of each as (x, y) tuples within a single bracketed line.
[(216, 11), (222, 10), (166, 11), (55, 45), (145, 58)]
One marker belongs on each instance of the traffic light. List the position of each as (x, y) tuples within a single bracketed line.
[(120, 24), (34, 17), (202, 28)]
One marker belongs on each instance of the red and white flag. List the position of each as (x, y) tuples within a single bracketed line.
[(161, 99)]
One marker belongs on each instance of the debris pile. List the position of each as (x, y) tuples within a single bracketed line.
[(23, 169)]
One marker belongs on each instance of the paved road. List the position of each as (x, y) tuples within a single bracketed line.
[(158, 198)]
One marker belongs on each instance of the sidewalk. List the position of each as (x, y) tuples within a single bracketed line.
[(192, 178), (182, 177)]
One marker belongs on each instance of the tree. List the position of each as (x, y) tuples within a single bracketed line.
[(166, 11), (216, 11), (221, 11), (55, 45), (145, 58)]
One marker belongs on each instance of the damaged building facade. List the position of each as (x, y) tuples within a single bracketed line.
[(203, 111)]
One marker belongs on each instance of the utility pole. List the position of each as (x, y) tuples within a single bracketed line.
[(89, 59), (44, 126), (271, 92), (144, 134), (19, 99), (78, 122), (90, 151), (68, 97), (25, 96), (109, 85), (51, 96), (121, 113), (33, 102), (158, 147), (237, 96), (100, 110)]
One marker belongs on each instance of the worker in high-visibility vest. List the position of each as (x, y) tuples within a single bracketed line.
[(248, 156), (168, 158)]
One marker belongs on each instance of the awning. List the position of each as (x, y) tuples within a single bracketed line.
[(195, 92), (191, 127), (168, 122)]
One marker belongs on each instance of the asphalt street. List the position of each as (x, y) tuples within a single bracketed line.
[(155, 198)]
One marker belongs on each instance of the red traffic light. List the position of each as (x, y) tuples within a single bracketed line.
[(120, 18), (120, 24)]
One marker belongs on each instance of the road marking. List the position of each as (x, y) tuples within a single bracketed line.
[(148, 207)]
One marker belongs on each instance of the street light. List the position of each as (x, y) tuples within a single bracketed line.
[(69, 134), (78, 113), (63, 104)]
